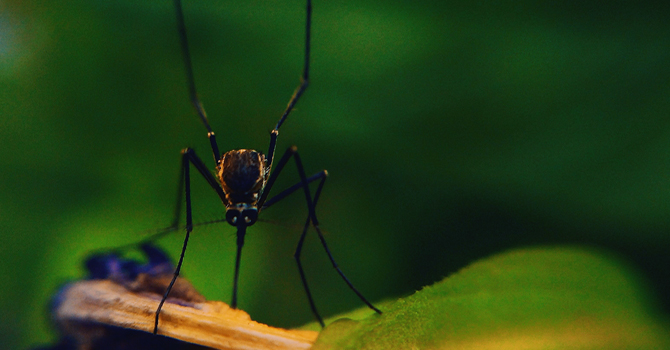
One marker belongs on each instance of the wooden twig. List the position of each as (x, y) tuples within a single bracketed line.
[(88, 306)]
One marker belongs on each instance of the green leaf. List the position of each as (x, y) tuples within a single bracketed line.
[(540, 298)]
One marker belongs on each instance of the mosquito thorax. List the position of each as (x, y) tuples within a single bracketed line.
[(241, 212), (242, 173)]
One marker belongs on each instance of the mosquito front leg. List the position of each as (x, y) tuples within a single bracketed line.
[(188, 157)]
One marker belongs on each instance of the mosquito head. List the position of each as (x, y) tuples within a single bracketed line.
[(237, 213), (242, 174)]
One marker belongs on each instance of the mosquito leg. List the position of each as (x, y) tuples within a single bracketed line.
[(274, 174), (315, 223), (302, 184), (202, 169), (180, 192), (263, 204), (195, 101), (346, 280), (292, 151), (189, 228), (311, 204), (304, 82), (162, 232), (188, 157), (298, 251), (285, 193)]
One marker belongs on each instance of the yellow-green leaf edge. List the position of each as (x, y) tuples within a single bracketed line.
[(534, 298)]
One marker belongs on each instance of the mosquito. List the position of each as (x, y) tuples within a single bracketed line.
[(244, 177)]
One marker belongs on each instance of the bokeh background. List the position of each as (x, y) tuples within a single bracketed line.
[(451, 130)]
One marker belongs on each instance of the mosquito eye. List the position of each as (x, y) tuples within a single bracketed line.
[(250, 216), (231, 217)]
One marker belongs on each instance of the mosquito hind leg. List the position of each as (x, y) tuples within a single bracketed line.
[(298, 251), (292, 152), (312, 215)]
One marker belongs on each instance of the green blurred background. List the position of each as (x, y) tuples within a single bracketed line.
[(451, 130)]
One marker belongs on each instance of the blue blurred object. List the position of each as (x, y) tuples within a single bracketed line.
[(116, 268), (136, 276)]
